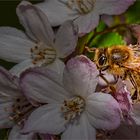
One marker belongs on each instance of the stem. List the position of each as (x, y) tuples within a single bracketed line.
[(106, 31)]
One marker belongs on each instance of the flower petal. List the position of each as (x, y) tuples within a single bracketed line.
[(57, 66), (66, 39), (80, 76), (43, 85), (14, 45), (135, 114), (123, 97), (81, 130), (9, 91), (8, 85), (19, 68), (103, 111), (87, 23), (15, 134), (35, 22), (46, 119), (112, 79), (5, 111), (56, 11), (112, 7)]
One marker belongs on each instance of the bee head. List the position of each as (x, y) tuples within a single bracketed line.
[(101, 59)]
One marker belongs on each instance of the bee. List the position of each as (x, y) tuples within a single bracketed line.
[(122, 61)]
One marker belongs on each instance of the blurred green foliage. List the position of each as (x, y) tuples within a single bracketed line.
[(133, 13), (107, 40)]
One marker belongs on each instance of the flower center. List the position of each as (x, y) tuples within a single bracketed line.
[(81, 6), (73, 108), (20, 110), (42, 55)]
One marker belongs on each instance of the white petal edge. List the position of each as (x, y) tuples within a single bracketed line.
[(19, 68)]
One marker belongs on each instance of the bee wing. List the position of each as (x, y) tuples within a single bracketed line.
[(133, 65), (135, 49)]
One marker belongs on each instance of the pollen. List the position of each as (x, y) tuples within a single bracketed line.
[(42, 54), (73, 108), (20, 110)]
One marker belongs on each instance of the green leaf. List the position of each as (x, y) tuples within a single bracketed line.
[(101, 26), (107, 40)]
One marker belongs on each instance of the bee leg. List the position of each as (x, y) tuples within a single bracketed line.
[(112, 88), (90, 50), (135, 95)]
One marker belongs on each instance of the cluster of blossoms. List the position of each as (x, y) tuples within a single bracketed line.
[(51, 94)]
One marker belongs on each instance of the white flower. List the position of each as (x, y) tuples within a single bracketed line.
[(85, 12), (13, 106), (74, 108), (41, 46)]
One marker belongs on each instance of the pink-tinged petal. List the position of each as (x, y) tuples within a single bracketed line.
[(66, 39), (103, 111), (8, 85), (112, 7), (87, 23), (5, 111), (122, 95), (35, 22), (15, 134), (46, 119), (81, 130), (19, 68), (56, 11), (80, 76), (14, 45), (43, 85)]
